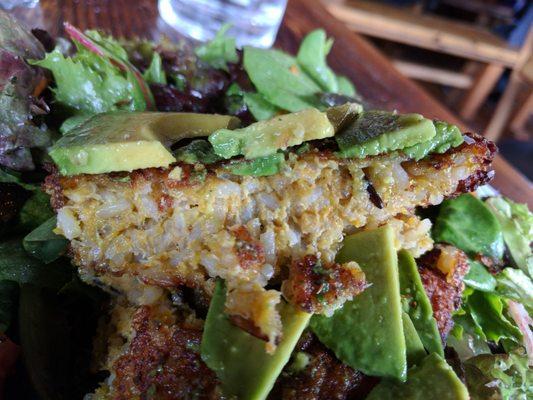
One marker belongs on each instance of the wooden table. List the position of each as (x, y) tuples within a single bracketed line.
[(373, 74)]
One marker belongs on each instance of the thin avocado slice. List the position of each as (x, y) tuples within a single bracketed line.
[(414, 347), (367, 332), (446, 136), (415, 302), (124, 141), (238, 358), (432, 379), (377, 132), (264, 138)]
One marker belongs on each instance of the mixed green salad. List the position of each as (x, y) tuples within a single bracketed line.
[(48, 316)]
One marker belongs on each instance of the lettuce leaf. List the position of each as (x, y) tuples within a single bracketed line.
[(517, 226), (514, 284), (493, 376), (98, 78), (220, 51), (18, 106), (89, 83), (482, 316)]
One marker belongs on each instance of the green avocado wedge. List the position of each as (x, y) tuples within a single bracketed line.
[(447, 135), (238, 358), (265, 138), (124, 141), (415, 302), (414, 348), (432, 379), (367, 332), (376, 132)]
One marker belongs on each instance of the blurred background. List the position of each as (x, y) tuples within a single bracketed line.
[(475, 56)]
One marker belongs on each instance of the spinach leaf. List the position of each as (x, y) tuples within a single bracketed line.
[(493, 376), (220, 51), (259, 107), (56, 332), (468, 224), (35, 211), (14, 177), (155, 72), (312, 58), (18, 266), (44, 244), (479, 278), (347, 88), (279, 79)]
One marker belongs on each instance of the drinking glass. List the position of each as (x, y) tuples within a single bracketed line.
[(253, 22), (10, 4)]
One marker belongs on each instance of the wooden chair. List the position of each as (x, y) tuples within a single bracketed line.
[(506, 105), (438, 34)]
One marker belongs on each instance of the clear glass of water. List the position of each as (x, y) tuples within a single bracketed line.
[(10, 4), (253, 22)]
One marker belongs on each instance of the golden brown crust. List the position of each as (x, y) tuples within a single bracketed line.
[(317, 287), (162, 362)]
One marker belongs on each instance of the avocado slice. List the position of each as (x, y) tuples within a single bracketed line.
[(446, 136), (238, 358), (415, 302), (264, 138), (432, 379), (376, 132), (124, 141), (261, 166), (414, 348), (367, 332)]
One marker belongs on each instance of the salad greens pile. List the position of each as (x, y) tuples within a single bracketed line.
[(498, 278)]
